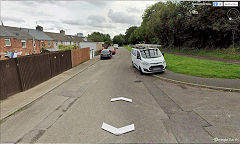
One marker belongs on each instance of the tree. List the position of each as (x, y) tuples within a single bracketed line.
[(181, 24), (129, 32), (137, 36), (99, 37), (119, 39)]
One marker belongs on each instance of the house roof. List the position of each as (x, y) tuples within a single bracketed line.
[(18, 33), (4, 32), (57, 36), (38, 35), (64, 38), (75, 38)]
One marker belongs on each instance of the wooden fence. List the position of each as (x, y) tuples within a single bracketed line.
[(22, 73)]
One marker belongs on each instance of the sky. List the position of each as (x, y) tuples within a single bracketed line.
[(112, 17)]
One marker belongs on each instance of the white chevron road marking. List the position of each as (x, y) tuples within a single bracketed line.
[(121, 98), (118, 131)]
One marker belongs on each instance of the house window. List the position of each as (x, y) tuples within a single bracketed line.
[(23, 44), (7, 42), (49, 44), (43, 45), (34, 44)]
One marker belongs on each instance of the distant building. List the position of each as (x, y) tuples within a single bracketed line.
[(80, 34), (61, 38)]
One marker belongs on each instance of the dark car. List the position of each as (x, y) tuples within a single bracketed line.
[(105, 53), (112, 49)]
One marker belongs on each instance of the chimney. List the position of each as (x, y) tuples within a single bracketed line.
[(39, 28), (62, 32)]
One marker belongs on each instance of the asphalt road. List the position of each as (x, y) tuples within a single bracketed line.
[(161, 112)]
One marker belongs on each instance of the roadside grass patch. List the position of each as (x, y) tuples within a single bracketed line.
[(202, 68), (230, 53), (128, 47)]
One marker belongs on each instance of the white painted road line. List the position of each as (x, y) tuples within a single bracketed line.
[(118, 131), (121, 98), (110, 129), (126, 129)]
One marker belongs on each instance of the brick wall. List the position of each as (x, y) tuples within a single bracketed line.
[(80, 55), (16, 46)]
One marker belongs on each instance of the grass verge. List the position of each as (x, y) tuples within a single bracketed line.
[(230, 53), (202, 68), (128, 47)]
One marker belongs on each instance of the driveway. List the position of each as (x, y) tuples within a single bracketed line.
[(162, 112)]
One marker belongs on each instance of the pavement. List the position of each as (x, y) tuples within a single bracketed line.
[(15, 102), (162, 112)]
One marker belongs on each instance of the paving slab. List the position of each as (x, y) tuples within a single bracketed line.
[(14, 127)]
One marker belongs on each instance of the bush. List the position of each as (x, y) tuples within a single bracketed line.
[(68, 47)]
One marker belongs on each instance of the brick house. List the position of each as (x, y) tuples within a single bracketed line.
[(15, 40), (40, 39), (59, 38), (76, 40)]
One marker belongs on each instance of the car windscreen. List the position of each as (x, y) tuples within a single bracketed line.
[(105, 52), (151, 53)]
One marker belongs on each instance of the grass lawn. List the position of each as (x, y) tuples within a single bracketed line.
[(202, 68), (230, 54)]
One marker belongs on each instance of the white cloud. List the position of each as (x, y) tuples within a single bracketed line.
[(111, 17), (124, 18), (12, 19)]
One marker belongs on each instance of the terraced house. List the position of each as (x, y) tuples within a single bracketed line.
[(61, 38), (22, 41), (40, 39), (15, 40)]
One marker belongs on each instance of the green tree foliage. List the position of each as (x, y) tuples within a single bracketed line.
[(137, 36), (119, 39), (128, 33), (181, 24), (99, 37)]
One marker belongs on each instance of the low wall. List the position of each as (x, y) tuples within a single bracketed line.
[(80, 55)]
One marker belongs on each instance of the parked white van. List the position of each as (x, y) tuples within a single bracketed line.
[(148, 60)]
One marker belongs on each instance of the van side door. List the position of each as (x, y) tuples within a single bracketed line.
[(133, 55), (138, 59)]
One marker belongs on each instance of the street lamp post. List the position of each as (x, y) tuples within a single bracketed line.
[(233, 33), (233, 15)]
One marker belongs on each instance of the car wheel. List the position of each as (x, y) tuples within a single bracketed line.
[(140, 70), (133, 64)]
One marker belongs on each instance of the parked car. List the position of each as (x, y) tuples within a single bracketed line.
[(148, 60), (115, 46), (112, 49), (105, 53)]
